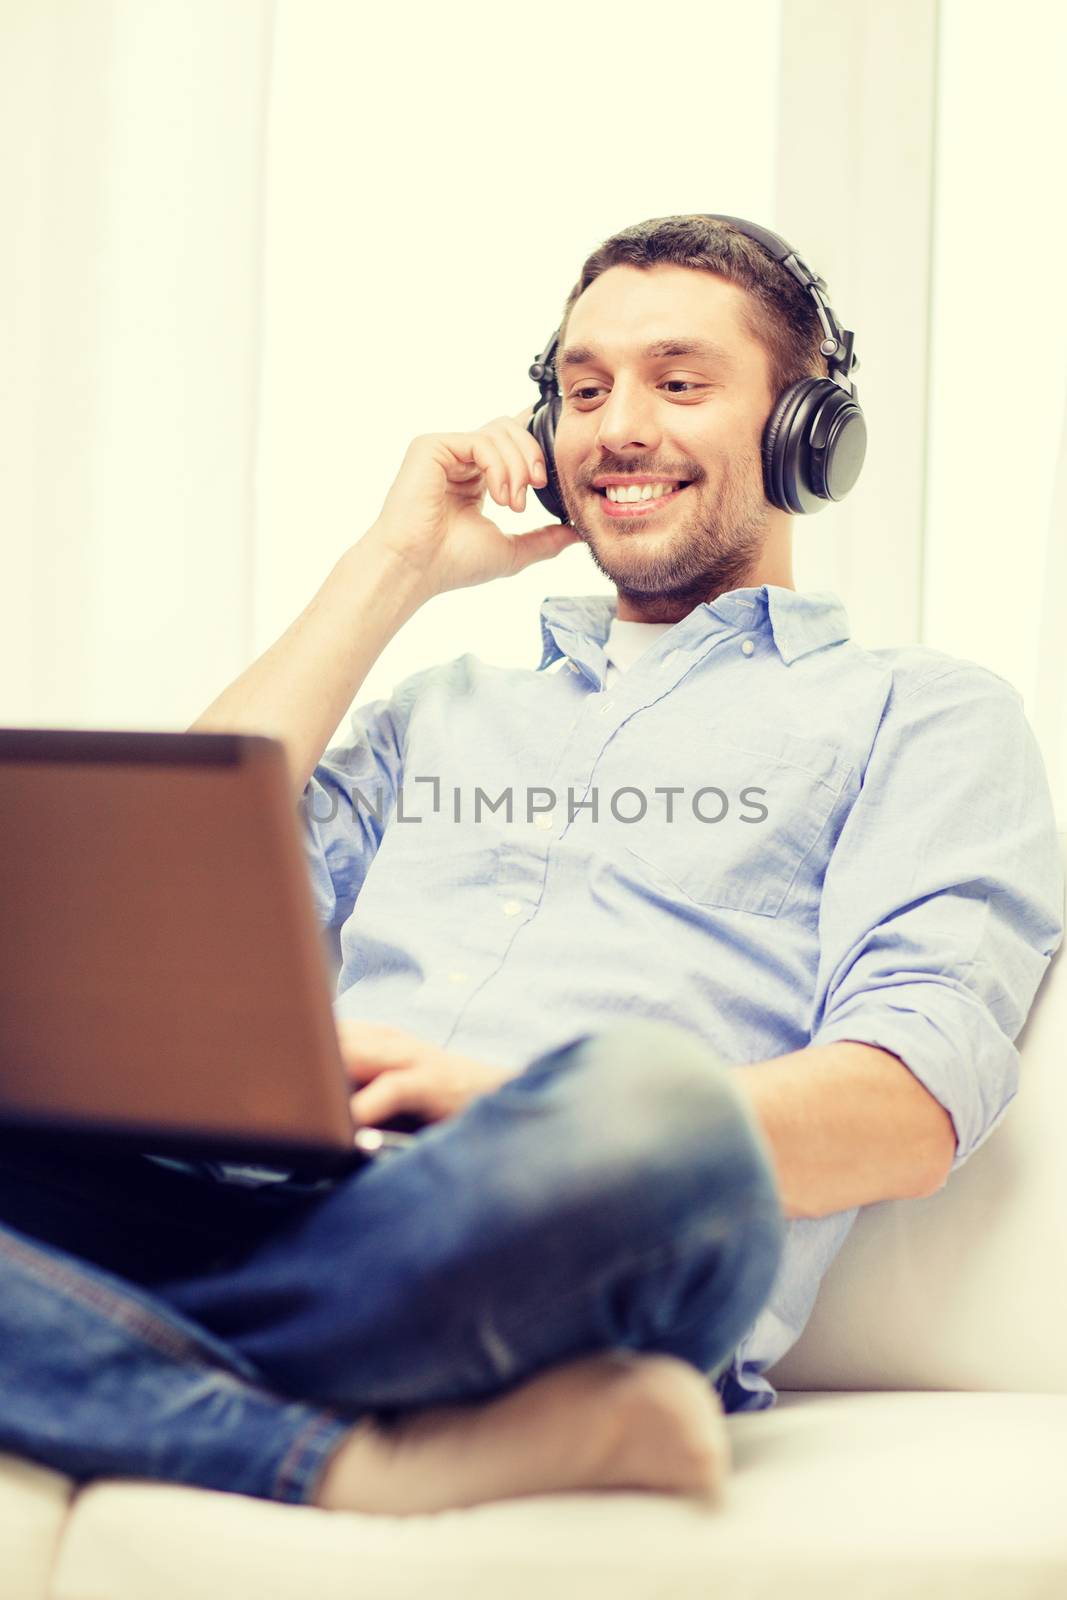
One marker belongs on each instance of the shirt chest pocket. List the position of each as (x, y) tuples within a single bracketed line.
[(743, 824)]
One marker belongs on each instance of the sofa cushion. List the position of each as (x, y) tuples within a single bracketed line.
[(966, 1289), (33, 1509), (831, 1494)]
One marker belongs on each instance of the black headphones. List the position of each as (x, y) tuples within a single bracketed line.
[(815, 438)]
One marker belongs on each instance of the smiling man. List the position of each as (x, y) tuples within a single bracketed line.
[(683, 945)]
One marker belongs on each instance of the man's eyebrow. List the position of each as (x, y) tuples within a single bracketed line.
[(581, 355)]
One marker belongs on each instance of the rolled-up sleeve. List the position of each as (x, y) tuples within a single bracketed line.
[(349, 798), (943, 901)]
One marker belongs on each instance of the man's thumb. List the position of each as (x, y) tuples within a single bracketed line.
[(540, 544)]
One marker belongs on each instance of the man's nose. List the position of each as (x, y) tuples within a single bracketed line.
[(627, 421)]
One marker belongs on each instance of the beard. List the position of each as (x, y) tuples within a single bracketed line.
[(702, 549)]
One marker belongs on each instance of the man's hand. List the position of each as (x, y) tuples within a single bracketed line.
[(403, 1073), (432, 516)]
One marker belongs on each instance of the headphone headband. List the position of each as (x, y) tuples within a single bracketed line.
[(838, 342)]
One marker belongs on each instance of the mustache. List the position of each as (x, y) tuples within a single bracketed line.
[(633, 467)]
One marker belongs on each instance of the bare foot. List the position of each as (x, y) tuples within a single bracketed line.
[(615, 1420)]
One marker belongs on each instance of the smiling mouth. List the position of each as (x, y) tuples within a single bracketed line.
[(638, 508)]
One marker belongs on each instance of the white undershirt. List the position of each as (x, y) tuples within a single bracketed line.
[(625, 642)]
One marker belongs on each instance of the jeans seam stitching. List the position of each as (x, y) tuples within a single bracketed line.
[(287, 1474), (172, 1343), (125, 1314)]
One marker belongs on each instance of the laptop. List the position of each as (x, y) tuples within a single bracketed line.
[(164, 983)]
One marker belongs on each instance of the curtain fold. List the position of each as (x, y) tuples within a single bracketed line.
[(132, 176), (1050, 715)]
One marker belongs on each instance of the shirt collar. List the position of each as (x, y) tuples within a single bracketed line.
[(798, 620)]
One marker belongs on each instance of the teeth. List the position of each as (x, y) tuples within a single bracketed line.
[(639, 491)]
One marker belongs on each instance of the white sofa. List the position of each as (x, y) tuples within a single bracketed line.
[(919, 1446)]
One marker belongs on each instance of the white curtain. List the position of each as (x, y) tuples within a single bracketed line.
[(994, 575), (132, 150)]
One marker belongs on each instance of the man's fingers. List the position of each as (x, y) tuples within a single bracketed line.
[(513, 467), (360, 1030), (526, 466), (498, 465), (387, 1096), (532, 457), (368, 1048)]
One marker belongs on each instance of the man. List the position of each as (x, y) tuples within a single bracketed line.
[(682, 947)]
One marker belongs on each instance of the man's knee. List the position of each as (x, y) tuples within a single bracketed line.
[(648, 1098)]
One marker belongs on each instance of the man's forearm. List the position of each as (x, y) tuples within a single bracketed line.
[(300, 688), (848, 1125)]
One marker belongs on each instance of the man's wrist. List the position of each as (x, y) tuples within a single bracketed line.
[(373, 563)]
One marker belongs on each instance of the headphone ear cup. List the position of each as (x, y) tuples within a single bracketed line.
[(543, 427), (814, 444), (780, 438)]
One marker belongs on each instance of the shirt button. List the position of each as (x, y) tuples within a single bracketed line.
[(457, 977), (542, 820), (747, 647), (511, 908), (572, 666)]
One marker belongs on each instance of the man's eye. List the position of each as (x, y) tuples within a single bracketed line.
[(675, 385)]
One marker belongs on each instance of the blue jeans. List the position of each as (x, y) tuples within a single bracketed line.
[(153, 1324)]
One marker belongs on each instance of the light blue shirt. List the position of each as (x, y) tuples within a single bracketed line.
[(861, 845)]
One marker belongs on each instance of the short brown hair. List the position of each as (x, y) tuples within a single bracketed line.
[(778, 312)]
